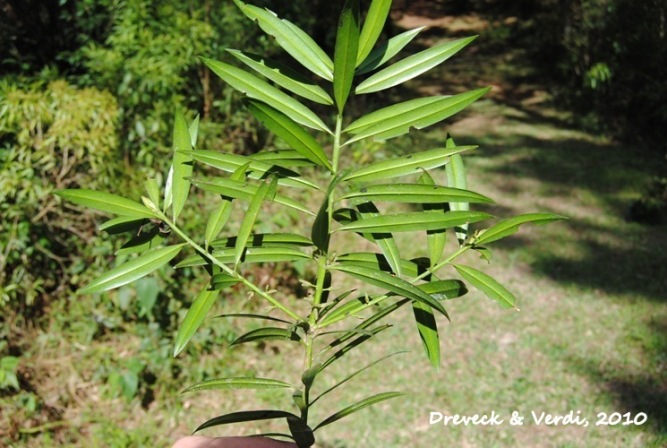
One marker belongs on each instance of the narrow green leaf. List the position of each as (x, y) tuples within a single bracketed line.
[(398, 119), (133, 270), (487, 285), (250, 217), (182, 163), (373, 25), (349, 377), (435, 239), (266, 240), (285, 158), (344, 311), (192, 261), (106, 202), (217, 221), (385, 241), (352, 344), (378, 262), (405, 165), (262, 91), (456, 177), (229, 188), (254, 316), (144, 240), (238, 383), (370, 401), (390, 283), (193, 130), (314, 47), (220, 215), (255, 169), (250, 255), (194, 318), (345, 54), (412, 66), (284, 76), (444, 289), (240, 190), (334, 303), (292, 39), (267, 333), (244, 416), (320, 230), (293, 134), (483, 252), (510, 226), (382, 54), (123, 224), (345, 215), (262, 254), (414, 193), (368, 321), (379, 116), (413, 221), (153, 191), (222, 281), (428, 332)]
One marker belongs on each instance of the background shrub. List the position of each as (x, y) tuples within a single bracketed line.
[(51, 135)]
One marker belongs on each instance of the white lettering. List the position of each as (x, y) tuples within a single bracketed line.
[(456, 419), (559, 420), (434, 417)]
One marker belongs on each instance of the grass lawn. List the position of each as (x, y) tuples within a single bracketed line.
[(590, 336)]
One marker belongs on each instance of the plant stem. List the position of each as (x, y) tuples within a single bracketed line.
[(336, 177), (446, 261), (319, 288), (321, 267), (336, 143), (230, 271)]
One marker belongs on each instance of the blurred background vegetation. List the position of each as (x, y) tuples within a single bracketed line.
[(87, 94)]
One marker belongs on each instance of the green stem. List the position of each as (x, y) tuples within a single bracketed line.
[(321, 267), (446, 261), (336, 158), (319, 288), (336, 143), (230, 271)]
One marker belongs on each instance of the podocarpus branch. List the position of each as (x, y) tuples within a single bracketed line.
[(356, 200)]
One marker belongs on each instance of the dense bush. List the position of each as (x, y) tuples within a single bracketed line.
[(51, 136), (150, 81), (609, 57), (114, 109)]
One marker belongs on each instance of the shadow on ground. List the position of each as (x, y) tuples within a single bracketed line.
[(634, 391), (524, 141)]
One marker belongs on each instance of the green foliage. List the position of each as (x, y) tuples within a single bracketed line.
[(51, 136), (609, 54), (355, 200), (651, 208), (8, 367), (151, 81)]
